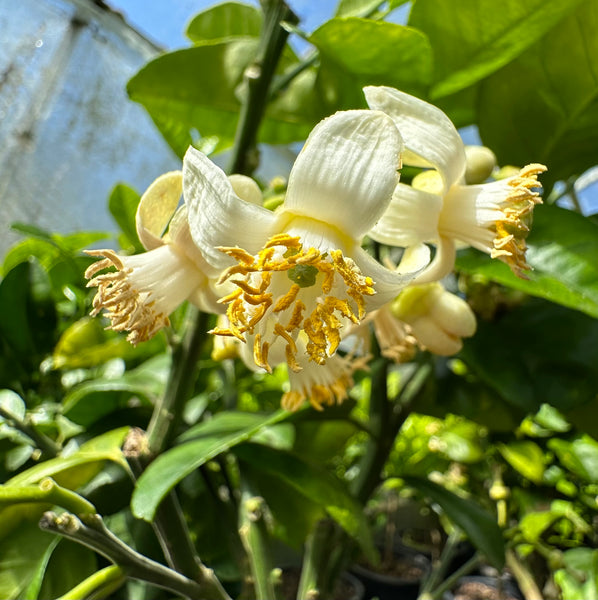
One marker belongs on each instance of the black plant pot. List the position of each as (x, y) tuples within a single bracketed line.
[(484, 587), (400, 578)]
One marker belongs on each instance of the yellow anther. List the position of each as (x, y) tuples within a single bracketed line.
[(232, 296), (238, 254), (279, 330), (260, 353), (284, 239), (296, 317), (292, 360), (285, 301)]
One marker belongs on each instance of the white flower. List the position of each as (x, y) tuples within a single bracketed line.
[(299, 273), (146, 288), (439, 207)]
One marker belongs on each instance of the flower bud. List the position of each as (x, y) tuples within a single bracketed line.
[(480, 162), (438, 319)]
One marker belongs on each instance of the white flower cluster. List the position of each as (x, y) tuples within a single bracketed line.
[(293, 282)]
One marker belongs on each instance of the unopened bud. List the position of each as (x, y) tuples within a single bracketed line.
[(480, 162)]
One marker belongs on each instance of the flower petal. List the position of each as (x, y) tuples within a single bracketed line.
[(217, 216), (156, 207), (427, 131), (387, 284), (411, 218), (347, 171)]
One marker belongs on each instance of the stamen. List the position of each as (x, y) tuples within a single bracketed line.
[(252, 302)]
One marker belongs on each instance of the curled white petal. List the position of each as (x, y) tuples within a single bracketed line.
[(217, 216), (426, 130)]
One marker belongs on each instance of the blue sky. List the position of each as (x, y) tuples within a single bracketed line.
[(164, 21)]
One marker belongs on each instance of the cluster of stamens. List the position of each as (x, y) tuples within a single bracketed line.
[(509, 243), (321, 319), (123, 303)]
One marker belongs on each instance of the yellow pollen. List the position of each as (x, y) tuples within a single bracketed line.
[(509, 243), (253, 301), (260, 353), (122, 302)]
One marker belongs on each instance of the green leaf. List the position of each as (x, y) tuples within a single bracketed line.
[(580, 456), (579, 579), (86, 344), (529, 368), (93, 399), (526, 457), (552, 118), (357, 52), (356, 8), (186, 101), (211, 438), (21, 555), (314, 483), (223, 21), (562, 250), (122, 204), (476, 38), (69, 564), (13, 404), (479, 525)]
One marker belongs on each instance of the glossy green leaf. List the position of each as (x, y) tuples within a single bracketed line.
[(314, 483), (553, 116), (521, 356), (210, 439), (223, 21), (86, 343), (563, 246), (526, 457), (122, 204), (187, 102), (22, 554), (356, 52), (479, 525), (93, 399), (580, 456), (356, 8), (477, 37), (578, 580)]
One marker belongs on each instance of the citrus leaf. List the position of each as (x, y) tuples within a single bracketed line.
[(316, 484), (476, 38), (479, 525), (211, 438)]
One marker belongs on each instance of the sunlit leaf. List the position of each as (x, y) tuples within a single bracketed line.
[(580, 456), (479, 525), (209, 440), (552, 118), (476, 37), (526, 457), (356, 52), (223, 21), (187, 102)]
